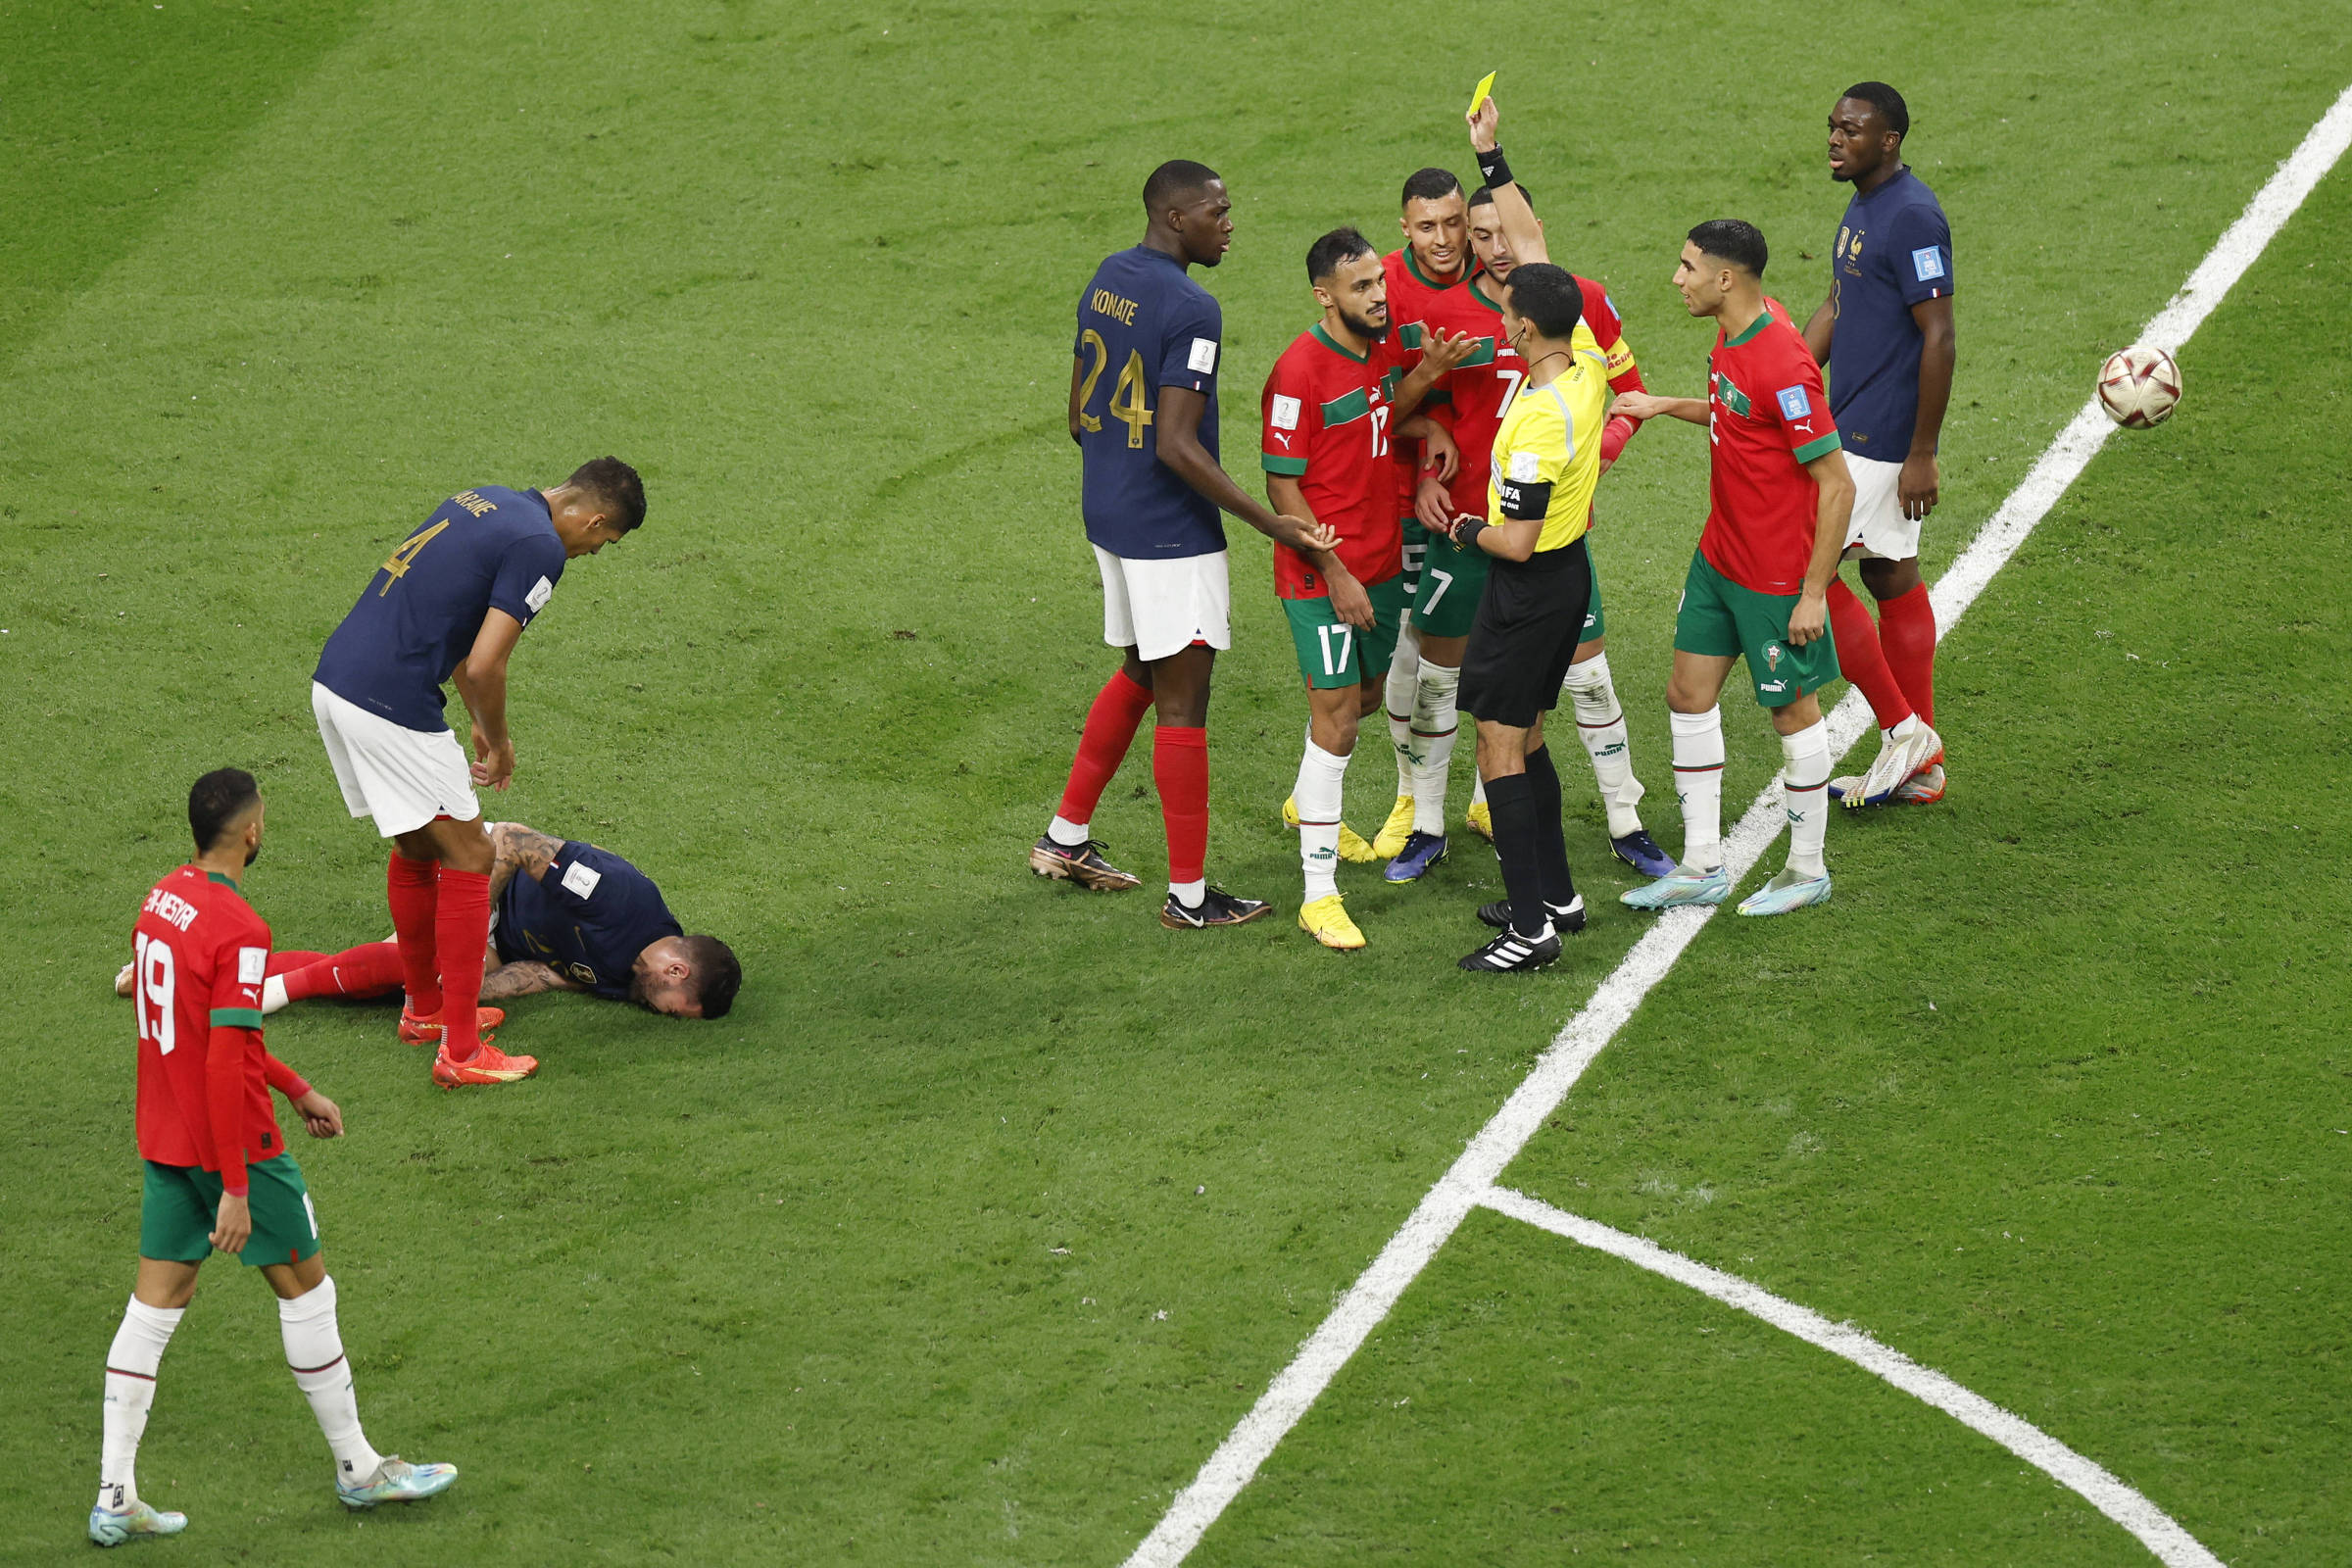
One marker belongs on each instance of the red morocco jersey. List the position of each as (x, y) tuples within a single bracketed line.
[(1325, 415), (1767, 417), (200, 955)]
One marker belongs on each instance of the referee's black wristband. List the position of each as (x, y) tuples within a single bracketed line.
[(1492, 167), (1467, 537)]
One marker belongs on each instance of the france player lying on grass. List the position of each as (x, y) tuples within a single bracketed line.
[(578, 918)]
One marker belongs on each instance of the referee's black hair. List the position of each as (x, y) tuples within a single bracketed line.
[(1733, 240), (216, 799), (1326, 255), (1547, 297), (1174, 181), (1484, 196), (1430, 185), (1886, 101), (614, 485)]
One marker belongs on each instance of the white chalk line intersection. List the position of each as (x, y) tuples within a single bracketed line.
[(1472, 1179)]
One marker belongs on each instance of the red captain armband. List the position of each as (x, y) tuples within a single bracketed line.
[(1613, 437)]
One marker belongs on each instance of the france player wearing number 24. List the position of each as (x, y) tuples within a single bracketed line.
[(219, 1177), (449, 606), (1144, 412)]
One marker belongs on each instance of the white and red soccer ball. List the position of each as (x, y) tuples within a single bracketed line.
[(2138, 387)]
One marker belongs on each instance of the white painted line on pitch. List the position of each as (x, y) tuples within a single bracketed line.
[(2155, 1528), (1357, 1312)]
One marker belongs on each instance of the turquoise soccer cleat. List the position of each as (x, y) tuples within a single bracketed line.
[(1681, 885), (398, 1480), (1788, 891), (111, 1529)]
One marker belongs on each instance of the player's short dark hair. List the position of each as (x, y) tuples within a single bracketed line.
[(1430, 185), (614, 486), (1174, 181), (1548, 297), (1484, 196), (1327, 255), (1886, 101), (716, 974), (1733, 240), (216, 799)]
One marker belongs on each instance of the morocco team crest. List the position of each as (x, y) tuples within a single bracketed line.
[(1772, 659)]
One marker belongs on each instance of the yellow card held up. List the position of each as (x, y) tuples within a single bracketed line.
[(1486, 85)]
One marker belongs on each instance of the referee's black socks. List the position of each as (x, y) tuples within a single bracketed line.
[(1551, 843), (1511, 801)]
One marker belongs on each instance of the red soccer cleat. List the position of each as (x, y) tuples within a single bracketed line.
[(417, 1031), (488, 1065)]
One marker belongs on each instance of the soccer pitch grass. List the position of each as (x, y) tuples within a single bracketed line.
[(972, 1231)]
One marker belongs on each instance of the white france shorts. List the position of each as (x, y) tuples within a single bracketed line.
[(1878, 527), (402, 777), (1160, 608)]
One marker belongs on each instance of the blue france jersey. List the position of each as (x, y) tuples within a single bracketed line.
[(1894, 250), (487, 549), (587, 918), (1143, 326)]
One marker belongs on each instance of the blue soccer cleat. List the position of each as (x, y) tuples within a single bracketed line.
[(1790, 890), (1684, 885), (398, 1480), (1421, 851), (110, 1526), (1641, 851)]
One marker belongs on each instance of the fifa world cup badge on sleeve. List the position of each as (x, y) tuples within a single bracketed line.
[(581, 879), (1928, 263), (1203, 358), (1286, 413)]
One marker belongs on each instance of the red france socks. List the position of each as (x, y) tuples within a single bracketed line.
[(413, 888), (1861, 661), (462, 929), (1180, 769), (1110, 725), (1907, 631)]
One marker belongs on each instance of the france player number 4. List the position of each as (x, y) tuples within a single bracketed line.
[(397, 566), (1127, 403), (154, 981)]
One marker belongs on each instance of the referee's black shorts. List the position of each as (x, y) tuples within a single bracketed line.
[(1525, 634)]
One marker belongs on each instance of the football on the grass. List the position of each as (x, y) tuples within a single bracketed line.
[(2138, 386)]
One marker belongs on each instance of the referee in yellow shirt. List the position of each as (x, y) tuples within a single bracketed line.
[(1539, 498)]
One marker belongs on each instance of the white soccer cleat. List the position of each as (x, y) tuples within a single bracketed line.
[(1898, 758), (111, 1527)]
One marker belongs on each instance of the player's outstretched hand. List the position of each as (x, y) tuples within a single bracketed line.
[(1439, 454), (1484, 121), (1637, 406), (1302, 535), (232, 1224), (1445, 353), (319, 1116), (1432, 506)]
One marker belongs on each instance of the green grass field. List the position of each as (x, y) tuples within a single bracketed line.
[(992, 1207)]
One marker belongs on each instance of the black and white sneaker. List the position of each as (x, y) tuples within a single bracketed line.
[(1510, 953), (1082, 863), (1566, 919), (1217, 908)]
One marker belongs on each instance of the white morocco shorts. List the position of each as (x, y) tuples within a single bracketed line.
[(1879, 527), (1160, 608), (402, 777)]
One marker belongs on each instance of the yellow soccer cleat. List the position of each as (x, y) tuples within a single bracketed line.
[(1326, 921), (1389, 841), (1352, 844), (1481, 820)]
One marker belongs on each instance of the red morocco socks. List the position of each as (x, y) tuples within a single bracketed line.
[(1110, 725), (1860, 658), (1907, 631), (460, 930), (413, 889), (1180, 769)]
